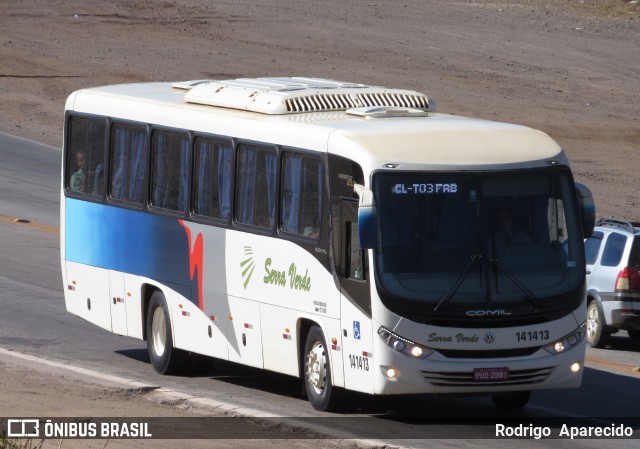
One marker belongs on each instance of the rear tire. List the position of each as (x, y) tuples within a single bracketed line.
[(164, 357), (317, 373), (511, 401), (596, 335)]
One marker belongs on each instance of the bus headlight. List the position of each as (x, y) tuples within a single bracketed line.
[(390, 372), (400, 344), (568, 341)]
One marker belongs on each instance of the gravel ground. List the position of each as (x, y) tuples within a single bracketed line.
[(569, 68)]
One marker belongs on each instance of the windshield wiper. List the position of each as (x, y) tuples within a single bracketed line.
[(463, 276), (513, 279)]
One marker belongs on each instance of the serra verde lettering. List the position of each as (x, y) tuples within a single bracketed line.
[(290, 277), (458, 338)]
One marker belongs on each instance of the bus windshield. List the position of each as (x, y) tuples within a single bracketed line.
[(470, 239)]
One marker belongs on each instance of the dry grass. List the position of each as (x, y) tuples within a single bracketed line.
[(20, 444), (618, 9)]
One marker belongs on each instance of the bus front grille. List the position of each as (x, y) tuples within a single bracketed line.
[(488, 354), (465, 379)]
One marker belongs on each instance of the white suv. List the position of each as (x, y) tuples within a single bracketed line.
[(613, 280)]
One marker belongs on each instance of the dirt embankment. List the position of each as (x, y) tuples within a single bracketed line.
[(33, 390), (568, 68)]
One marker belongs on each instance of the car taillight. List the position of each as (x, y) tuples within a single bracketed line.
[(628, 279)]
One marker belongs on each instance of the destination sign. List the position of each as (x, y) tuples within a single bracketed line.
[(424, 188)]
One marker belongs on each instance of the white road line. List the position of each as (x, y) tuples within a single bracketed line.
[(168, 396)]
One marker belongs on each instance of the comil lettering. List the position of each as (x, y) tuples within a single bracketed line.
[(495, 312)]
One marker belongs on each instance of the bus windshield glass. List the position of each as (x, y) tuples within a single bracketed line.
[(464, 239)]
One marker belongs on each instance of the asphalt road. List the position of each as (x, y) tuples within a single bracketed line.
[(33, 320)]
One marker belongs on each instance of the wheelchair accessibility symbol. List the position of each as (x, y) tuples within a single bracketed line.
[(356, 330)]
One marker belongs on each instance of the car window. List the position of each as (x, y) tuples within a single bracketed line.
[(592, 246), (634, 257), (613, 250)]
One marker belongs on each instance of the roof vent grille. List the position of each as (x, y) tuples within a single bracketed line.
[(296, 95), (340, 102)]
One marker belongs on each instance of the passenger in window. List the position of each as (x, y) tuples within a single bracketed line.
[(78, 178), (310, 231), (505, 233)]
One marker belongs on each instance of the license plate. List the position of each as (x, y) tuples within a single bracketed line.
[(490, 374)]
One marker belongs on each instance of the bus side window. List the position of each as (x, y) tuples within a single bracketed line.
[(86, 155), (256, 186), (354, 261), (129, 155), (354, 254), (213, 175), (170, 170), (301, 195)]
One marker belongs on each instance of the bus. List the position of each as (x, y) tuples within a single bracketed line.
[(346, 234)]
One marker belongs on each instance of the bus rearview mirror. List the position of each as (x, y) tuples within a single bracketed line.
[(367, 220), (587, 209)]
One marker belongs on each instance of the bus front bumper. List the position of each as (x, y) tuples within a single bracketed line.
[(397, 373)]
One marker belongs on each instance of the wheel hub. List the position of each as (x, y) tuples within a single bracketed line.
[(317, 367), (592, 323), (159, 331)]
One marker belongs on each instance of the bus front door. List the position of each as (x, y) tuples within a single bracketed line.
[(355, 304)]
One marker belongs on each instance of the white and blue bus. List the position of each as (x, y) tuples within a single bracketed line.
[(346, 234)]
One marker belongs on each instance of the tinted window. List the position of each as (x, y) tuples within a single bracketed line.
[(129, 154), (634, 257), (301, 194), (354, 252), (169, 171), (256, 186), (613, 249), (592, 246), (86, 155), (344, 174), (487, 237), (213, 174)]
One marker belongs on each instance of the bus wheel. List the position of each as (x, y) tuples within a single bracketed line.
[(317, 372), (164, 357), (512, 400)]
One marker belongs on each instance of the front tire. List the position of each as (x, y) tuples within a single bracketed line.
[(317, 372), (596, 335), (164, 357)]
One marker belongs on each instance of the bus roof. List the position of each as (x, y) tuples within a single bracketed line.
[(372, 125)]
